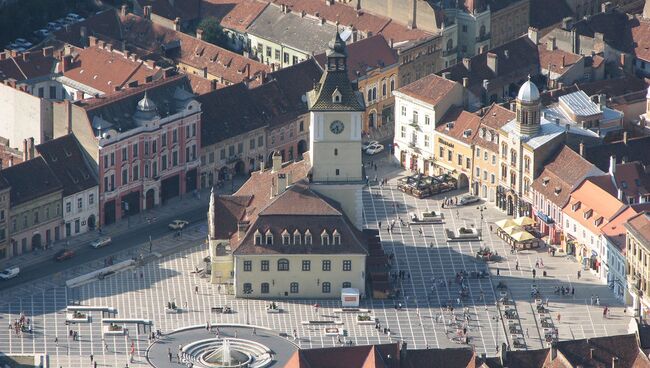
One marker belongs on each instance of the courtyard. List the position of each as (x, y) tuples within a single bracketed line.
[(422, 252)]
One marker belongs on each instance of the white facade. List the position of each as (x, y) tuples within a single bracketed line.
[(81, 211), (613, 269), (414, 130), (24, 116), (584, 236)]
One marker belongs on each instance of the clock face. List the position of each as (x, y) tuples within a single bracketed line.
[(337, 127)]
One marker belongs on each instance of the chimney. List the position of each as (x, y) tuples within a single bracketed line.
[(48, 51), (146, 11), (30, 147), (612, 166), (25, 150), (467, 62), (563, 61), (3, 55), (606, 7), (550, 43), (615, 362), (83, 32), (177, 24), (582, 149), (213, 84), (277, 161), (92, 41), (466, 82), (533, 34), (281, 184), (66, 63), (566, 23), (124, 10), (199, 33), (78, 95), (446, 75), (242, 226), (625, 137), (493, 62), (26, 56)]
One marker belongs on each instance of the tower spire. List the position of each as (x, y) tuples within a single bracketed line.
[(211, 213)]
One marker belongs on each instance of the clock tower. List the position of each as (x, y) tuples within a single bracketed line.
[(336, 110)]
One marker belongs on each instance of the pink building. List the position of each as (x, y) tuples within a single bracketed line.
[(145, 142)]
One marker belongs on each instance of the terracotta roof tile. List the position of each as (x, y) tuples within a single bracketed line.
[(599, 351), (639, 225), (635, 149), (632, 179), (459, 124), (429, 358), (497, 116), (29, 180), (558, 61), (369, 54), (430, 89), (26, 65), (641, 37), (187, 10), (105, 70), (362, 356), (594, 200), (615, 229), (233, 14)]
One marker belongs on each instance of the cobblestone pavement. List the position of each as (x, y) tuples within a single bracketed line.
[(143, 293)]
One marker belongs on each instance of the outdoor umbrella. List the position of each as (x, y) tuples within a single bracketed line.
[(524, 221), (505, 223), (522, 236)]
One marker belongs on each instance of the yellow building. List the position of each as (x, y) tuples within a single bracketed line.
[(292, 231), (453, 147), (486, 151), (638, 262)]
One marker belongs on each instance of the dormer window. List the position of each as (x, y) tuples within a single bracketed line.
[(285, 237), (324, 238), (296, 237), (258, 237), (336, 96), (269, 237), (598, 221), (588, 214), (545, 180), (307, 237), (576, 206), (558, 190), (337, 237)]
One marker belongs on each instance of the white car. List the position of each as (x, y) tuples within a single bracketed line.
[(98, 243), (74, 18), (42, 33), (468, 199), (9, 273), (53, 26), (366, 145), (375, 149), (177, 225)]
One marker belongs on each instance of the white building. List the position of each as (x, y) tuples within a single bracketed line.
[(67, 160)]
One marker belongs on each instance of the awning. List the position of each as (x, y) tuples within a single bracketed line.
[(542, 216), (524, 221), (522, 236), (505, 223)]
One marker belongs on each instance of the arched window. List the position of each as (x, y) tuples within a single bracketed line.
[(301, 126), (285, 237), (374, 93), (369, 95), (283, 264), (336, 151), (337, 237), (307, 237), (269, 237), (347, 284), (450, 44), (392, 84), (258, 237), (293, 288), (383, 88), (482, 31), (296, 237), (327, 288), (248, 288), (324, 238)]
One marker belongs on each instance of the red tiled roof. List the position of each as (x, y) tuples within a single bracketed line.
[(632, 179), (641, 37), (430, 89), (362, 356), (366, 55), (639, 225), (492, 119), (187, 10), (105, 70), (595, 199), (464, 125), (26, 65), (599, 352), (201, 85), (615, 229), (233, 14), (558, 61)]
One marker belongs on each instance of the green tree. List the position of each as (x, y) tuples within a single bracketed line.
[(213, 32)]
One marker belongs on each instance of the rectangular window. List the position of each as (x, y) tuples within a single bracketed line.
[(80, 203), (327, 265), (260, 141), (146, 148), (231, 151), (240, 147), (277, 55), (187, 131), (265, 288), (286, 58), (347, 265), (268, 51), (211, 157), (68, 207), (403, 110), (174, 135), (460, 160), (187, 153), (468, 163), (449, 154), (295, 60), (174, 158), (154, 169), (427, 120), (415, 117), (106, 187), (154, 146), (125, 154), (403, 132), (135, 150), (426, 140), (248, 266), (125, 176), (163, 165), (442, 152), (163, 140), (251, 144), (136, 173), (91, 198), (193, 130), (306, 265), (112, 158), (105, 161), (264, 265), (222, 154), (53, 92)]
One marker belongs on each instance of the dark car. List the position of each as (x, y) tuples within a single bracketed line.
[(63, 254)]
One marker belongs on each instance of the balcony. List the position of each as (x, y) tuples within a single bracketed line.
[(233, 159), (634, 283), (414, 124), (451, 52), (484, 37), (413, 144)]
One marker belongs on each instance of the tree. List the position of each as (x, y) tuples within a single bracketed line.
[(213, 32)]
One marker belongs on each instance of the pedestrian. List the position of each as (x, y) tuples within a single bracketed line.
[(527, 333), (592, 299), (498, 272), (573, 291), (534, 273), (91, 358), (558, 318), (196, 289), (579, 274), (517, 265), (56, 340), (95, 364), (490, 227), (254, 331)]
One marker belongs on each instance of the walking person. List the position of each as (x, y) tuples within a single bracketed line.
[(56, 340), (91, 358), (196, 289), (579, 274)]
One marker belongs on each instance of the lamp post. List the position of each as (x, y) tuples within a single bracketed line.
[(481, 209), (248, 292)]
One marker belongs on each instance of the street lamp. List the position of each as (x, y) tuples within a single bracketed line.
[(247, 292), (481, 209)]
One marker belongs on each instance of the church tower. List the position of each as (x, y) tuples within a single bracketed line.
[(528, 109), (336, 110)]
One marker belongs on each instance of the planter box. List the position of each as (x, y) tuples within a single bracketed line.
[(109, 332), (323, 322), (423, 220), (276, 310), (333, 331), (456, 235), (69, 317), (173, 311), (351, 310), (370, 322)]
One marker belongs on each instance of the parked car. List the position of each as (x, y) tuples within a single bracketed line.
[(74, 18), (42, 33), (468, 199), (366, 145), (375, 149), (100, 242), (177, 225), (9, 273), (23, 43), (53, 26), (63, 254), (15, 47)]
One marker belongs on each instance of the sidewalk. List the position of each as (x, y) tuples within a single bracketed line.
[(175, 208)]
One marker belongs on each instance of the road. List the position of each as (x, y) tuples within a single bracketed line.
[(130, 239)]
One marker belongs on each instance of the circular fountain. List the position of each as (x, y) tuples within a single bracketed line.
[(227, 353)]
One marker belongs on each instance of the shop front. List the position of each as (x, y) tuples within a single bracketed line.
[(547, 227)]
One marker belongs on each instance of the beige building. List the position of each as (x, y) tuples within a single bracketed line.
[(508, 22), (637, 255), (292, 231)]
